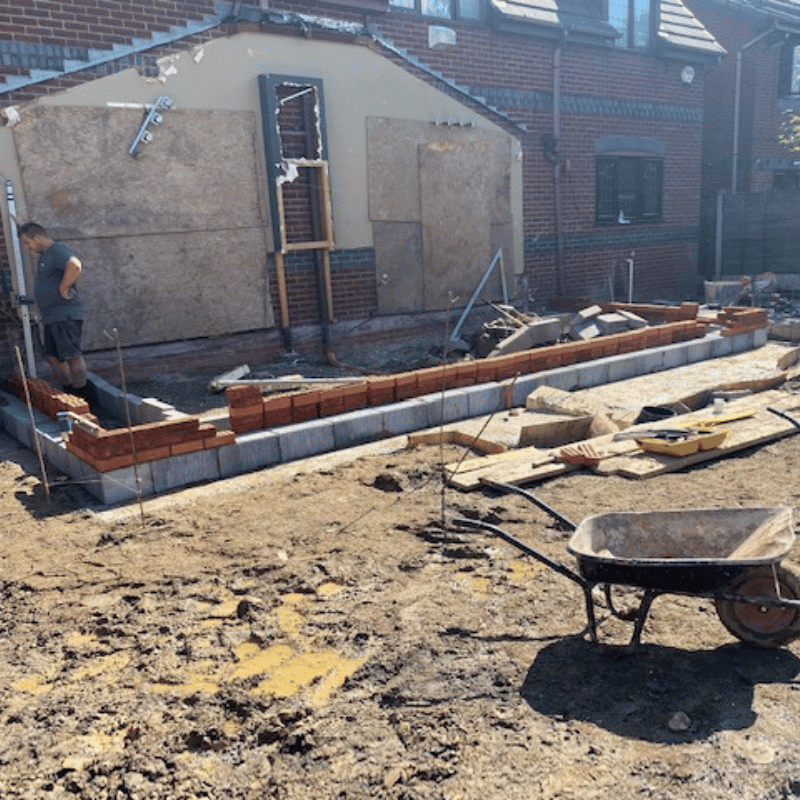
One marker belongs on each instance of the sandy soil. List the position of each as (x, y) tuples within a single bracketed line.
[(324, 630)]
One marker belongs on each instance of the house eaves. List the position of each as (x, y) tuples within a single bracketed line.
[(783, 14), (679, 31)]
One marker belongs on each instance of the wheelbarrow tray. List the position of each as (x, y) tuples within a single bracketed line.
[(693, 551)]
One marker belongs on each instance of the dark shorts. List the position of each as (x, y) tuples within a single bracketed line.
[(62, 340)]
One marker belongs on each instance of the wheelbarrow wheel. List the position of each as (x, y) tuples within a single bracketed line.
[(764, 626)]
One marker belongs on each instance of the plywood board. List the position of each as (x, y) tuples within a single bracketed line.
[(456, 227), (398, 263), (173, 242)]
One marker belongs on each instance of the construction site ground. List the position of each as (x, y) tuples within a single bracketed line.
[(321, 629)]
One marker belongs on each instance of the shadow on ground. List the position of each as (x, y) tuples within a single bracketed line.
[(636, 694)]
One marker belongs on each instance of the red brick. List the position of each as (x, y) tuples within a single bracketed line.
[(277, 410), (305, 406), (243, 395), (221, 439)]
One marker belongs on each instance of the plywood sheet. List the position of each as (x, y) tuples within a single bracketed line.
[(456, 224), (173, 242), (398, 263)]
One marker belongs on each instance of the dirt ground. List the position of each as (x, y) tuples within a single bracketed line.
[(323, 629)]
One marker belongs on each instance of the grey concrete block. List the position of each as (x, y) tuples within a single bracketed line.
[(535, 333), (674, 355), (184, 470), (565, 378), (406, 416), (122, 485), (252, 451), (153, 410), (593, 373), (585, 331), (452, 406), (485, 399), (626, 365), (585, 314), (698, 350), (611, 323), (760, 337), (634, 320), (301, 440), (741, 342), (357, 427), (721, 345)]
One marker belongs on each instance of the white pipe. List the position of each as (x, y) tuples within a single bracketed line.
[(630, 280)]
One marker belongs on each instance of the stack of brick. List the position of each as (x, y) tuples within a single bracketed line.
[(246, 410), (45, 398), (107, 450), (741, 320)]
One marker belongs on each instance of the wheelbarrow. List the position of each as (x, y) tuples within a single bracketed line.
[(730, 555)]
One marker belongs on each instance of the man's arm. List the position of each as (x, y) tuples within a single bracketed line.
[(72, 269)]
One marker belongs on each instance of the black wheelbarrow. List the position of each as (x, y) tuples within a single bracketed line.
[(730, 555)]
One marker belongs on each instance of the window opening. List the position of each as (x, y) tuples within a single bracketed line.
[(293, 122), (628, 189), (443, 9)]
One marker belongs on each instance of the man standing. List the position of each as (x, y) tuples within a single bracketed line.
[(59, 303)]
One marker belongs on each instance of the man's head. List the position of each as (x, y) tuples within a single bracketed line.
[(34, 237)]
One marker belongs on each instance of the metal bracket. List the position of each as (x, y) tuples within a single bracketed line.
[(152, 117)]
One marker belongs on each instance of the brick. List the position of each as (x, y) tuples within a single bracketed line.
[(250, 418), (220, 439), (186, 447), (331, 401), (355, 396), (305, 406), (406, 386), (380, 390), (277, 410), (244, 395)]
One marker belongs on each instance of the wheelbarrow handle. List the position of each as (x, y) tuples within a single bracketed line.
[(527, 549), (510, 487)]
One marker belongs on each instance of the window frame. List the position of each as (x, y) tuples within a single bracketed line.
[(789, 68), (610, 209), (627, 39), (454, 16)]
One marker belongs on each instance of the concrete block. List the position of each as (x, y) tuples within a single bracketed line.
[(593, 373), (540, 331), (741, 342), (357, 427), (611, 323), (721, 345), (407, 416), (153, 410), (585, 331), (252, 451), (760, 337), (565, 378), (626, 365), (122, 485), (485, 399), (585, 314), (305, 439), (184, 470), (674, 355), (697, 350), (451, 406), (523, 386), (634, 320)]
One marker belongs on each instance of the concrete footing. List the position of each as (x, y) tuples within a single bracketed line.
[(261, 449)]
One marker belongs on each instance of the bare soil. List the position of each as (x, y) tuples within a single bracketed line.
[(323, 629)]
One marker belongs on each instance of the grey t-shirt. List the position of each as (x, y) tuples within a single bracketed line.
[(49, 272)]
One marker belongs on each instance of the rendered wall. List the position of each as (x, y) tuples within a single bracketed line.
[(175, 242)]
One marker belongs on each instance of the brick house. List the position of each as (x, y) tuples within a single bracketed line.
[(232, 168), (746, 169)]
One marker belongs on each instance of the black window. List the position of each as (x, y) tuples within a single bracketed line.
[(443, 9), (629, 189)]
